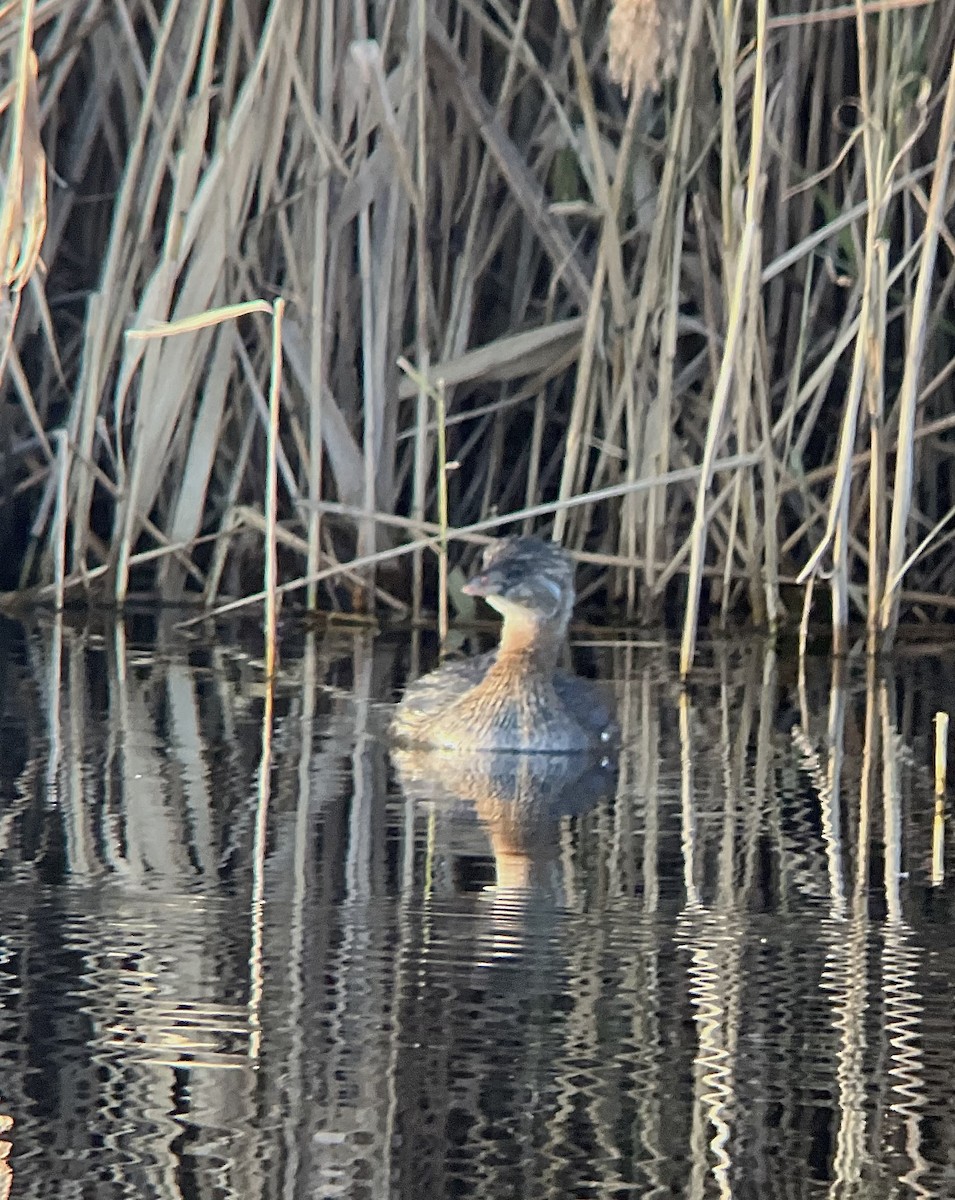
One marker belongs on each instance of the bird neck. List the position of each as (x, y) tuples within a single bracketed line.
[(530, 644)]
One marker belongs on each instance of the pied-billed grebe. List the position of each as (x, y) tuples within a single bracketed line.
[(513, 698)]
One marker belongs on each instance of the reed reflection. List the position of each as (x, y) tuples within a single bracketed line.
[(718, 967)]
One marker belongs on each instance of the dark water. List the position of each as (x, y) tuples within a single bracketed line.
[(722, 967)]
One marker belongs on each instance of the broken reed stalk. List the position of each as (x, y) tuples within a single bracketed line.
[(941, 753)]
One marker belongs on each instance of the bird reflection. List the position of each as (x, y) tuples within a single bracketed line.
[(520, 799)]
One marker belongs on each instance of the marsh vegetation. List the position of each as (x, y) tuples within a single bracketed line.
[(693, 317)]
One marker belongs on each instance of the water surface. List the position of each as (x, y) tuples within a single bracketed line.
[(245, 953)]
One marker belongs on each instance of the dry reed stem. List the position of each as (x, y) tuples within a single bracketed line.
[(318, 348), (903, 482), (732, 463), (271, 493), (875, 400), (610, 249), (23, 212), (422, 339), (845, 12), (60, 518), (740, 294)]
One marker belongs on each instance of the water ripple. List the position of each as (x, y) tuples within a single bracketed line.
[(703, 970)]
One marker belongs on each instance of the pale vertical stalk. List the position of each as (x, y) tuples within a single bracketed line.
[(369, 320), (759, 534), (839, 583), (533, 465), (837, 533), (442, 516), (717, 411), (874, 189), (729, 166), (770, 508), (462, 297), (875, 400), (575, 429), (866, 365), (938, 843), (271, 492), (60, 514), (734, 326), (740, 418), (610, 249), (673, 166), (317, 372), (744, 525), (636, 432), (908, 394), (730, 552), (839, 519), (865, 103), (319, 349), (23, 206), (366, 532), (656, 501), (97, 336), (804, 625), (419, 485), (941, 752), (420, 478)]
